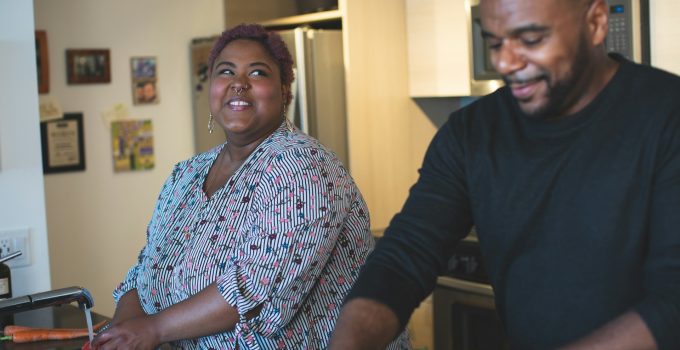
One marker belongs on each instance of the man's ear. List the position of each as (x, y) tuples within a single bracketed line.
[(597, 20)]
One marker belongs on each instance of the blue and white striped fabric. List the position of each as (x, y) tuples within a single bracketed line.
[(289, 230)]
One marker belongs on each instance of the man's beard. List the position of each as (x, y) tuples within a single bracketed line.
[(562, 94)]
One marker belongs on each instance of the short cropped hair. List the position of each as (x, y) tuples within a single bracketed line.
[(271, 41)]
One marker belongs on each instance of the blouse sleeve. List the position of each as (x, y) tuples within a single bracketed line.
[(306, 195), (130, 281)]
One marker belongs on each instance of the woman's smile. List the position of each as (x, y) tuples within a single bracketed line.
[(239, 104)]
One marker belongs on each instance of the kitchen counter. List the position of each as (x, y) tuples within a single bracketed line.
[(65, 316)]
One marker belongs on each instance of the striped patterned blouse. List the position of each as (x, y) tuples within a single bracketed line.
[(289, 230)]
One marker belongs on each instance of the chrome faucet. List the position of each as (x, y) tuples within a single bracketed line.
[(45, 299)]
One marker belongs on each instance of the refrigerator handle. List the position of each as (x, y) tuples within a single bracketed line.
[(300, 49)]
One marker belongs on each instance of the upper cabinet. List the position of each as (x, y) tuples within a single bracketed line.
[(283, 13), (440, 50)]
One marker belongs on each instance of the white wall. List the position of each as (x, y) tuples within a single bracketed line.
[(97, 218), (22, 204), (664, 33)]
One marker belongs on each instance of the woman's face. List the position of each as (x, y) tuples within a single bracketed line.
[(246, 65)]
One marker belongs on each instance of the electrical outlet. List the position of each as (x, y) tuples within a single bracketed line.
[(12, 240)]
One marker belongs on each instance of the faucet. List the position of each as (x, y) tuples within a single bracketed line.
[(45, 299)]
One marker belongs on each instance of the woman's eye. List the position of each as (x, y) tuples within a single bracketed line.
[(225, 72), (258, 72)]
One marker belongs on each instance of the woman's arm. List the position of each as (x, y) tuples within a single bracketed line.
[(128, 307), (203, 314)]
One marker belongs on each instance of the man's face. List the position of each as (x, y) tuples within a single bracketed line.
[(149, 91), (541, 48)]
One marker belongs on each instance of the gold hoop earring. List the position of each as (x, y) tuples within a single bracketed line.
[(210, 124), (289, 125)]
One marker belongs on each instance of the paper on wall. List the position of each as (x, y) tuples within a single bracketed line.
[(50, 108)]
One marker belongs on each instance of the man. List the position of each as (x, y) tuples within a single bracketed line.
[(571, 175)]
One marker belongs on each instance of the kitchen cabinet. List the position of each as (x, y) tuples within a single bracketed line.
[(379, 111), (439, 51), (279, 13)]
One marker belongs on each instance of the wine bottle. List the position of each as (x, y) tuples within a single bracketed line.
[(5, 281), (5, 292), (6, 287)]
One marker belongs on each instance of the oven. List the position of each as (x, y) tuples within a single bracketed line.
[(464, 314)]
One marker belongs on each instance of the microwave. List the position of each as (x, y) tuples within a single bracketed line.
[(483, 77), (629, 29), (628, 35)]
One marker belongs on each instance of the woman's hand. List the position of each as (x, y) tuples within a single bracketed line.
[(134, 334)]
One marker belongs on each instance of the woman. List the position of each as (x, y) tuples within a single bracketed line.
[(253, 244)]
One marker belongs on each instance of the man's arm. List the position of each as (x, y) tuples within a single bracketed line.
[(403, 268), (654, 322), (627, 332), (364, 324)]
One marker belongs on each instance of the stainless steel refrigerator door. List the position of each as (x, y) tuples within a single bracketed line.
[(200, 85), (326, 91), (319, 95)]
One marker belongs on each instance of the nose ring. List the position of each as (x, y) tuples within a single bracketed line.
[(239, 90)]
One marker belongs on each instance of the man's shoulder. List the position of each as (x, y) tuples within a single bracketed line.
[(659, 79), (654, 89), (484, 110)]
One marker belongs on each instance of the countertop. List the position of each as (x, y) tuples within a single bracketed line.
[(65, 316)]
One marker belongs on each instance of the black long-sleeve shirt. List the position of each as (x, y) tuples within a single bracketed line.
[(578, 218)]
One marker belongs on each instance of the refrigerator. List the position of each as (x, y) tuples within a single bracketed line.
[(318, 106)]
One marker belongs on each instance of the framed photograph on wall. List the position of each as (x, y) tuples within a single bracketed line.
[(144, 80), (42, 61), (63, 145), (89, 66)]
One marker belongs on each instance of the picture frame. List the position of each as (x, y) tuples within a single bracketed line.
[(88, 66), (143, 72), (42, 61), (63, 144)]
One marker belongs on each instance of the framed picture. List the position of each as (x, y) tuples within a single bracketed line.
[(132, 145), (88, 66), (144, 80), (63, 145), (42, 61)]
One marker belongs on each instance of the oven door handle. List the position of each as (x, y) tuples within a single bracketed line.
[(466, 286)]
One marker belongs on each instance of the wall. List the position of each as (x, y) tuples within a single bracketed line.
[(22, 204), (664, 32), (97, 218)]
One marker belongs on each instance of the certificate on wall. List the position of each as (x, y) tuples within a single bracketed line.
[(63, 144)]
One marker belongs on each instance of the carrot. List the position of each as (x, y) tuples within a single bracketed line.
[(27, 334), (11, 329)]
